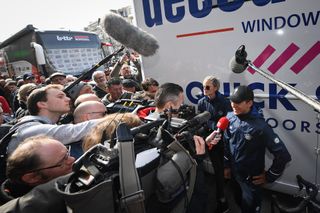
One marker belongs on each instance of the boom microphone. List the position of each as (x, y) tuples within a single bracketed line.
[(130, 36), (238, 62)]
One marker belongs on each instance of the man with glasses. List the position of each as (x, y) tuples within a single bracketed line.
[(86, 111), (36, 161), (89, 110), (218, 106)]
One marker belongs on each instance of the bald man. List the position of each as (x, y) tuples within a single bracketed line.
[(86, 111), (89, 110), (86, 97)]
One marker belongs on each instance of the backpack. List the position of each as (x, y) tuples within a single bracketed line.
[(4, 142)]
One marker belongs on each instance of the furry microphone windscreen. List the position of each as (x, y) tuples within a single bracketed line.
[(236, 67), (129, 35)]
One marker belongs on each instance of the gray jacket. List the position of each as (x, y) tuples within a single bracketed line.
[(38, 125)]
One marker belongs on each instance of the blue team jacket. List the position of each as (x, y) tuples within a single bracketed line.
[(246, 140), (218, 107)]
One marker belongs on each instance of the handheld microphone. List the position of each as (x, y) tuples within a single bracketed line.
[(222, 125), (130, 36), (238, 62)]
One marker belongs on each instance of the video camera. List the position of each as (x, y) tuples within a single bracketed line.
[(127, 105), (167, 173)]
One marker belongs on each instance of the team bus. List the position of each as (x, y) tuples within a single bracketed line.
[(44, 52), (198, 38)]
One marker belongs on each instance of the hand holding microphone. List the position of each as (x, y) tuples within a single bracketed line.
[(213, 139), (216, 135)]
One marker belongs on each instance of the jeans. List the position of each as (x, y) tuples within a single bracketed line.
[(250, 196)]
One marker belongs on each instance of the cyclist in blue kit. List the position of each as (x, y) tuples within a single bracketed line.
[(246, 140)]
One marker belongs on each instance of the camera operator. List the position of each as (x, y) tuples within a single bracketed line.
[(168, 99)]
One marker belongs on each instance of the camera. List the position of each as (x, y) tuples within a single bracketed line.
[(186, 112), (95, 165)]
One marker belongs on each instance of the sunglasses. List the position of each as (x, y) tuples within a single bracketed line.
[(206, 87), (59, 164)]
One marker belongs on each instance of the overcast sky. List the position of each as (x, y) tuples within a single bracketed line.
[(53, 14)]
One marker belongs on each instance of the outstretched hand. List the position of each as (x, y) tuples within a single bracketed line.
[(199, 144)]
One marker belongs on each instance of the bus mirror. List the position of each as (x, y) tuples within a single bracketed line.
[(39, 53)]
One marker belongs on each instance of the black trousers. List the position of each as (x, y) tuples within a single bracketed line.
[(216, 155)]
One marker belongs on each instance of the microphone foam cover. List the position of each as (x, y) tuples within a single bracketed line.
[(129, 35), (236, 67)]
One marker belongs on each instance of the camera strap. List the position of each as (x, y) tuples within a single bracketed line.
[(176, 147), (132, 199)]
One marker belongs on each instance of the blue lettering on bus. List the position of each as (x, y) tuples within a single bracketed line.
[(258, 86), (305, 126), (318, 93), (226, 88), (279, 22), (200, 13), (170, 15), (226, 6), (191, 86), (289, 124), (265, 2), (292, 125), (294, 20), (149, 20), (318, 128), (275, 96), (273, 123), (153, 15)]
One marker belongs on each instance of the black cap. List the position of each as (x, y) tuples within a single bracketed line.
[(28, 76), (242, 93), (129, 83)]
